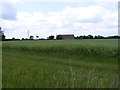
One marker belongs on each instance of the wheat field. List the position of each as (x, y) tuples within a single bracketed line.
[(91, 63)]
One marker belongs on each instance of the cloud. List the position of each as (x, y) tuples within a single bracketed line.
[(106, 0), (8, 10), (24, 1), (95, 20)]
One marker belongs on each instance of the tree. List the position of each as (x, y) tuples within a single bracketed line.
[(90, 37), (96, 37), (13, 38), (59, 37), (37, 37), (99, 37), (23, 39), (85, 37), (51, 37), (2, 36), (31, 37)]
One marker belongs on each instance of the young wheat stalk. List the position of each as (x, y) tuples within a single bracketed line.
[(72, 75)]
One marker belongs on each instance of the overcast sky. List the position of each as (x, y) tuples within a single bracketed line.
[(51, 17)]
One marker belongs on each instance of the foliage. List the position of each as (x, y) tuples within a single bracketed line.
[(37, 37), (96, 37), (13, 38), (51, 37), (59, 37), (31, 37), (60, 64), (23, 39), (3, 37)]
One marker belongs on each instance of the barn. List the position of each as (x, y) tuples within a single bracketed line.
[(68, 37)]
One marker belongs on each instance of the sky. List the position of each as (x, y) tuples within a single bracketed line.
[(52, 17)]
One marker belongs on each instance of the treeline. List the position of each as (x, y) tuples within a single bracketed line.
[(52, 38), (97, 37)]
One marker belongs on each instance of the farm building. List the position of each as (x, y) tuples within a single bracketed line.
[(68, 37)]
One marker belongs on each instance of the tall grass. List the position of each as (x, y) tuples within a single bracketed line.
[(102, 48), (60, 64)]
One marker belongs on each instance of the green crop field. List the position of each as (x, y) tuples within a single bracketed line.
[(60, 64)]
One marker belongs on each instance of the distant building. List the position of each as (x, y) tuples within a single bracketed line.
[(68, 37)]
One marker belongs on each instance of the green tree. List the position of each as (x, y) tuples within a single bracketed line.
[(51, 37), (31, 37), (13, 38), (23, 39), (37, 37), (2, 36), (59, 37), (90, 37)]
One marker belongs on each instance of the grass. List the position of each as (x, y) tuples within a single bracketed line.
[(60, 64)]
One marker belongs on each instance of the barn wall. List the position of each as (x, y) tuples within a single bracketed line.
[(68, 38)]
